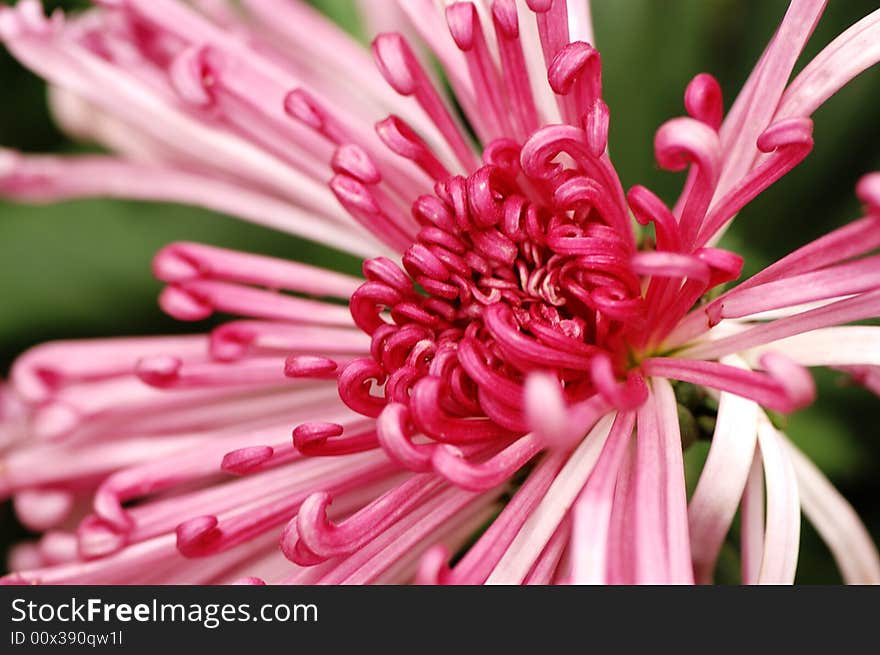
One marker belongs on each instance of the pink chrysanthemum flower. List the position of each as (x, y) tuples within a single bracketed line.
[(497, 401)]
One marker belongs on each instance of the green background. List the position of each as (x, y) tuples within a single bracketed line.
[(82, 269)]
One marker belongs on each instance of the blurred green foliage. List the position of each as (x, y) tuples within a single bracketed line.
[(82, 269)]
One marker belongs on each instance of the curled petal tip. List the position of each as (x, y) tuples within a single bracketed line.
[(787, 132), (382, 269), (648, 208), (192, 76), (108, 506), (351, 159), (505, 18), (401, 139), (196, 534), (395, 61), (98, 538), (184, 305), (868, 191), (27, 17), (230, 342), (244, 460), (463, 23), (40, 510), (353, 194), (355, 384), (540, 151), (394, 431), (314, 433), (315, 531), (309, 366), (682, 141), (159, 371), (293, 549), (540, 6), (299, 104), (576, 61), (703, 100), (302, 106), (174, 264), (433, 567), (627, 395)]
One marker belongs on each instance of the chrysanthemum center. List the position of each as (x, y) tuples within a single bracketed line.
[(510, 273)]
